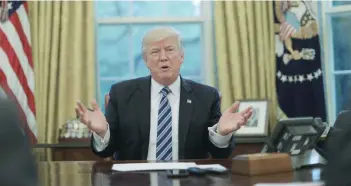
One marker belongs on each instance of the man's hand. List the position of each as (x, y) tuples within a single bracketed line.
[(94, 120), (232, 120)]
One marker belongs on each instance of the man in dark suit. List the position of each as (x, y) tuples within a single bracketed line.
[(338, 152), (162, 116), (17, 165)]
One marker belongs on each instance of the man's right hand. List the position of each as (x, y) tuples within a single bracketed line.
[(94, 120)]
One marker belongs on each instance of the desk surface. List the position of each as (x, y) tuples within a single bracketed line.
[(87, 173)]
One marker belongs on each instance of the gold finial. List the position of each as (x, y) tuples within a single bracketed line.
[(4, 11)]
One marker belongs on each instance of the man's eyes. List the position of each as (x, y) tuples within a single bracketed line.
[(157, 51)]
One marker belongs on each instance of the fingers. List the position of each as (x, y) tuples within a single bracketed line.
[(246, 111), (244, 116), (95, 105), (242, 121), (234, 107), (81, 107), (248, 114), (78, 112)]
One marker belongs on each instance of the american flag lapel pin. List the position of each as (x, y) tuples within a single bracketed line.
[(188, 101)]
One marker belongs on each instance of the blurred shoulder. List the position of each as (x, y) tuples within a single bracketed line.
[(343, 120), (345, 113), (9, 116), (7, 108)]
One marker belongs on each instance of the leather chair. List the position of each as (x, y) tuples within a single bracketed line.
[(220, 98), (107, 97)]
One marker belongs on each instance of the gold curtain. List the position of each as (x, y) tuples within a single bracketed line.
[(244, 32), (64, 58)]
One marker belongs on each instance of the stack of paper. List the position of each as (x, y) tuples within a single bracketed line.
[(292, 184), (151, 166), (162, 166)]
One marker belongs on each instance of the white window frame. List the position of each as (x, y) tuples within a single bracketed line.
[(327, 11), (207, 41)]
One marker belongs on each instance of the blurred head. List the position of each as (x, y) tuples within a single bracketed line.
[(163, 54)]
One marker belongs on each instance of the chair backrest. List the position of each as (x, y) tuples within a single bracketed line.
[(220, 98), (107, 97)]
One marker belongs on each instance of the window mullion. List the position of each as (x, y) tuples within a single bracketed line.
[(131, 52)]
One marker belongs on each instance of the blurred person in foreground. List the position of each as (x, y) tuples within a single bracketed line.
[(163, 116), (338, 152), (17, 164)]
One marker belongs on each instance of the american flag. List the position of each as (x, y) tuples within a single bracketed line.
[(286, 29), (16, 65)]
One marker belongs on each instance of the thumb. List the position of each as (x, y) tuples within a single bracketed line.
[(234, 107), (95, 105)]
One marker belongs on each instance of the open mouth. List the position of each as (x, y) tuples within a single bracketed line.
[(165, 67)]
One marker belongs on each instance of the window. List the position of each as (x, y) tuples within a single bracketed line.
[(122, 24), (336, 41)]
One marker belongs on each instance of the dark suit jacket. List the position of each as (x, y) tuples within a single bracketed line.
[(338, 152), (17, 165), (128, 115)]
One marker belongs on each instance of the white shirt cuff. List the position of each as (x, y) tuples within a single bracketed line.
[(101, 143), (217, 139)]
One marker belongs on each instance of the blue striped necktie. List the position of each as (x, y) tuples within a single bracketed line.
[(164, 128)]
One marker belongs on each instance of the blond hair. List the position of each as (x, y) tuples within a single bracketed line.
[(158, 34)]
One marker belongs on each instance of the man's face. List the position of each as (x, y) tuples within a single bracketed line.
[(164, 58)]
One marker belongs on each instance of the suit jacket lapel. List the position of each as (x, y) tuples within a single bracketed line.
[(142, 106), (186, 107)]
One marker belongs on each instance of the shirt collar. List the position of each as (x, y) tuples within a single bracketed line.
[(157, 87)]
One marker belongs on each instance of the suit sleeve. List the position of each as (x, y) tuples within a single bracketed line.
[(112, 120), (215, 115)]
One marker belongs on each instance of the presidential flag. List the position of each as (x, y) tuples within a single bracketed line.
[(299, 76), (16, 65)]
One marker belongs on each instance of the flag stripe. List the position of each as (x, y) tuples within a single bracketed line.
[(17, 68), (13, 84), (24, 22), (13, 38), (286, 30), (16, 65), (10, 95), (25, 4), (17, 25)]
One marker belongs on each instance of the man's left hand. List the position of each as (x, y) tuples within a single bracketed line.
[(232, 120)]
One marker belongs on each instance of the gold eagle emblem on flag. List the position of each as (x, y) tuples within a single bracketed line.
[(4, 11), (297, 19)]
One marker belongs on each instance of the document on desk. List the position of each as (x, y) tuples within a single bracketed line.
[(292, 184), (212, 166), (151, 166)]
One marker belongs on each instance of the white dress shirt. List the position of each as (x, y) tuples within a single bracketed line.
[(173, 97)]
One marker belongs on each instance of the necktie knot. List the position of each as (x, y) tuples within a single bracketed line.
[(165, 91)]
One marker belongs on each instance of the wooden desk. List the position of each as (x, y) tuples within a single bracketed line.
[(81, 151), (65, 152), (86, 173)]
